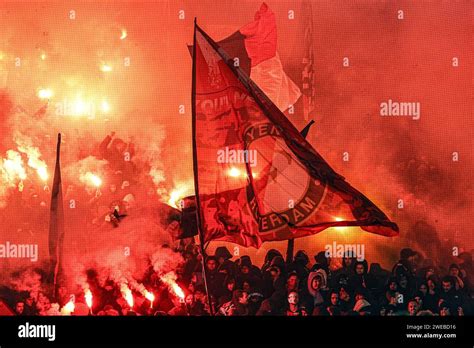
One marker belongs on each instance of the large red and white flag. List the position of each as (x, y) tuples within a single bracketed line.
[(256, 178), (254, 49), (266, 67)]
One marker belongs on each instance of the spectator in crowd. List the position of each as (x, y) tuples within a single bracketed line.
[(237, 307), (450, 296), (318, 292), (413, 307), (455, 272), (300, 265), (293, 307), (361, 278), (334, 308), (240, 288), (20, 308), (292, 284), (362, 305), (215, 279)]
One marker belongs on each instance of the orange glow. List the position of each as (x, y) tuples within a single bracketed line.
[(123, 34), (234, 172), (45, 93), (106, 68)]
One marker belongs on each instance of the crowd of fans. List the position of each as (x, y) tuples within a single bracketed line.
[(285, 288), (235, 286)]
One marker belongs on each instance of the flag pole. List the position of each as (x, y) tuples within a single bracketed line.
[(290, 247), (195, 168), (56, 223)]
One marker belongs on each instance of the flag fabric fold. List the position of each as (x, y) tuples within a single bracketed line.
[(257, 179)]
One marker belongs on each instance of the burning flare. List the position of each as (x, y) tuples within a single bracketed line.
[(127, 294), (170, 280), (91, 179), (34, 161), (12, 167), (179, 192), (88, 298), (68, 308)]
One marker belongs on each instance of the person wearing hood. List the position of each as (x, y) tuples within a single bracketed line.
[(334, 308), (390, 293), (322, 262), (345, 300), (229, 287), (300, 265), (455, 272), (431, 298), (406, 265), (345, 271), (214, 278), (245, 275), (271, 254), (254, 270), (278, 292), (318, 292), (379, 275), (405, 288), (274, 277), (223, 256), (361, 279)]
